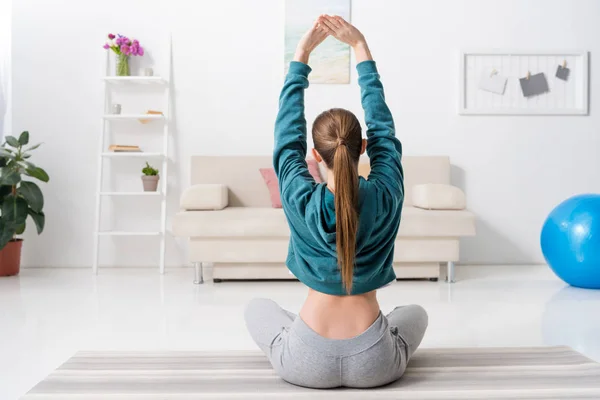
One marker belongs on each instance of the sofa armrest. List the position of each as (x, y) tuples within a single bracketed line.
[(432, 196), (205, 197)]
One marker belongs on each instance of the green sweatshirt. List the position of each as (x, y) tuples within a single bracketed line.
[(309, 207)]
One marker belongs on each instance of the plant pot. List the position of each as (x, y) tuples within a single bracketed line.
[(150, 183), (10, 258)]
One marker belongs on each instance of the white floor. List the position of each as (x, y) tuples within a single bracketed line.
[(46, 315)]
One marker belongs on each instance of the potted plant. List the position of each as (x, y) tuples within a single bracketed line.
[(123, 47), (150, 178), (19, 198)]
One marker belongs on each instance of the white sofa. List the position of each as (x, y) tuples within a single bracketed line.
[(228, 218)]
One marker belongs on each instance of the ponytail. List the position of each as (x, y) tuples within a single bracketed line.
[(337, 137), (345, 172)]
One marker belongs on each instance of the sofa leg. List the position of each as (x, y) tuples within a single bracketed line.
[(199, 276), (450, 272)]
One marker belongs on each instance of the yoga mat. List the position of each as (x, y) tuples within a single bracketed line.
[(432, 374)]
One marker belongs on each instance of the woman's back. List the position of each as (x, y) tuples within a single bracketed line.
[(340, 317)]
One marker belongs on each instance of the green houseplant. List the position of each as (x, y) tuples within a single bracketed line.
[(19, 198), (150, 178)]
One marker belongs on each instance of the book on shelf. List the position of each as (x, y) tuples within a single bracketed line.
[(150, 112), (120, 148)]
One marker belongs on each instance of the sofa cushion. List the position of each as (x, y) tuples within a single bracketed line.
[(271, 222), (204, 197), (232, 222), (272, 182), (270, 179), (417, 222), (437, 196)]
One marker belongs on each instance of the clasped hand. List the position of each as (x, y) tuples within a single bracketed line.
[(339, 28)]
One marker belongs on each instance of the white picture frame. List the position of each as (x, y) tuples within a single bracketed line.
[(569, 97)]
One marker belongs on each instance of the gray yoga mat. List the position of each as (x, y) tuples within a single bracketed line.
[(432, 374)]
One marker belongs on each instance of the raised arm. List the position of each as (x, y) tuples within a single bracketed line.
[(289, 156), (383, 148)]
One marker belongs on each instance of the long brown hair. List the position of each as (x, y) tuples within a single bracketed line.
[(338, 139)]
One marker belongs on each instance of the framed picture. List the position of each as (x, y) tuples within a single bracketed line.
[(517, 82), (330, 62)]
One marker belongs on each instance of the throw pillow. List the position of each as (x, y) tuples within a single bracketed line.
[(435, 196), (270, 179)]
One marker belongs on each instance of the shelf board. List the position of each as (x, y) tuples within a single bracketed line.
[(125, 154), (130, 193), (143, 80), (116, 117), (126, 233)]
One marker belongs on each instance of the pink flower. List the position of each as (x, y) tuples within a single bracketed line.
[(123, 45)]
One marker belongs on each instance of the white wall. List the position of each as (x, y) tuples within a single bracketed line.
[(228, 72), (5, 64)]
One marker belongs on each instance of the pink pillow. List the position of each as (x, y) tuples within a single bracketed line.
[(270, 179)]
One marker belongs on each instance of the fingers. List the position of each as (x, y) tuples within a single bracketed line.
[(321, 29), (327, 29), (341, 21), (329, 24), (322, 32), (333, 21)]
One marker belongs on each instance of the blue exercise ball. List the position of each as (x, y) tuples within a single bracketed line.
[(571, 241)]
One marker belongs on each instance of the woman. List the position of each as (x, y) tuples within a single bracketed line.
[(342, 236)]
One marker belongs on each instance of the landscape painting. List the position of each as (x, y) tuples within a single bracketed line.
[(330, 62)]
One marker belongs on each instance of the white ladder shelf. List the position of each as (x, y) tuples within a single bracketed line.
[(114, 83)]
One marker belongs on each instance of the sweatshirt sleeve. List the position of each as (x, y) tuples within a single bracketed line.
[(383, 148), (289, 155)]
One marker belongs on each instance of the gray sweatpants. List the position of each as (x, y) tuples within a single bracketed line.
[(301, 356)]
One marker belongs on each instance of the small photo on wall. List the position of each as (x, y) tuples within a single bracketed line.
[(492, 82), (330, 62), (562, 72), (533, 85)]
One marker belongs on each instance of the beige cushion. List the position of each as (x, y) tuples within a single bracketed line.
[(436, 223), (271, 222), (364, 169), (232, 222), (417, 170), (436, 196), (204, 197)]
